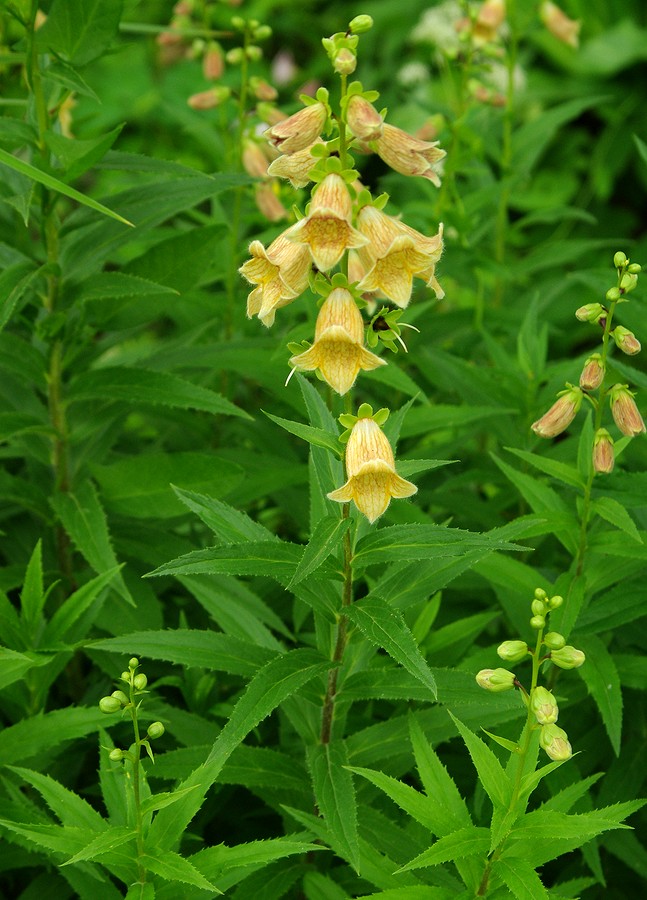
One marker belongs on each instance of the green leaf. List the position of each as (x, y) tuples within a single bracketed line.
[(14, 282), (64, 803), (326, 538), (139, 891), (74, 607), (231, 525), (173, 867), (32, 596), (161, 800), (335, 796), (408, 467), (226, 865), (493, 778), (404, 542), (385, 627), (187, 647), (146, 387), (13, 665), (117, 285), (24, 168), (521, 878), (103, 843), (316, 436), (558, 470), (510, 746), (611, 511), (77, 156), (182, 260), (415, 804), (80, 30), (269, 687), (600, 675), (84, 520), (46, 731), (275, 559), (469, 841)]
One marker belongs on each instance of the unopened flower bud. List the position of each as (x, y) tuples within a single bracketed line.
[(254, 160), (590, 312), (628, 282), (213, 62), (140, 681), (262, 33), (155, 730), (603, 455), (540, 594), (512, 651), (593, 373), (254, 53), (345, 61), (543, 705), (209, 99), (235, 56), (116, 755), (262, 89), (133, 662), (626, 340), (125, 676), (363, 119), (554, 641), (496, 680), (360, 24), (555, 602), (634, 268), (560, 415), (619, 260), (554, 741), (537, 622), (238, 23), (109, 705), (568, 657), (624, 411), (613, 294), (121, 697), (538, 607)]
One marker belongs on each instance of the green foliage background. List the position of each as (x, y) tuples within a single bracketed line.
[(153, 387)]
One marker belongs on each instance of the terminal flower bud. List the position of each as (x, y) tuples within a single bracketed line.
[(590, 312), (345, 61), (619, 259), (540, 594), (568, 657), (133, 663), (554, 741), (512, 651), (626, 340), (408, 155), (603, 455), (625, 412), (109, 705), (496, 680), (593, 373), (634, 268), (554, 641), (370, 466), (543, 705), (299, 130), (558, 23), (360, 24), (338, 351), (560, 415)]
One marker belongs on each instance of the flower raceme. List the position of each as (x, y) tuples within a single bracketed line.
[(338, 351), (280, 272), (370, 467)]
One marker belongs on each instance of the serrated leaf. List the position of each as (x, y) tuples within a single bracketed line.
[(521, 878), (14, 282), (146, 387), (269, 687), (85, 522), (117, 285), (80, 30), (385, 627), (326, 538), (560, 471), (405, 542), (70, 612), (103, 843), (68, 807), (233, 526), (600, 675), (316, 436), (335, 796), (275, 559), (408, 467), (77, 156), (611, 511), (450, 810), (13, 665), (161, 800), (510, 746), (469, 841), (492, 776), (173, 867), (415, 804), (32, 596), (46, 731), (24, 168), (188, 647)]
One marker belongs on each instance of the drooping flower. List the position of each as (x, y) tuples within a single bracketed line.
[(363, 120), (370, 466), (554, 741), (603, 454), (408, 155), (280, 272), (327, 229), (593, 373), (626, 340), (560, 415), (338, 351), (395, 254), (625, 412), (299, 130), (295, 166), (559, 24)]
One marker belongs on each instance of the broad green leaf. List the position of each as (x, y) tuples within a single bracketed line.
[(439, 417), (269, 687), (521, 878), (613, 608), (405, 584), (493, 778), (32, 596), (188, 647), (231, 525), (611, 511), (139, 891), (77, 156), (510, 746), (69, 808), (173, 867), (85, 522), (145, 387), (275, 559), (316, 436), (335, 796), (327, 537), (103, 843), (67, 616), (385, 627), (415, 804), (25, 168), (14, 282), (55, 838), (560, 471), (404, 542), (80, 30), (29, 737), (468, 841), (13, 664), (181, 261), (600, 675)]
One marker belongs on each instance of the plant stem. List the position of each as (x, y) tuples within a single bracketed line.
[(139, 825)]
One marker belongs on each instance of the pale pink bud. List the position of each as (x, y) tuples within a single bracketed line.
[(269, 204), (213, 62), (603, 455), (209, 99), (626, 340), (625, 412), (254, 160), (593, 373), (560, 415)]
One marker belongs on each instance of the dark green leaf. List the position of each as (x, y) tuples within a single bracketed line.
[(335, 796), (326, 538), (80, 30)]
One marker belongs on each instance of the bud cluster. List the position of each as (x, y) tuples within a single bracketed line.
[(623, 408), (542, 706), (135, 683)]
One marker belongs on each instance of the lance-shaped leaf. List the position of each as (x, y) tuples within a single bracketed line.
[(491, 773), (326, 538), (276, 559), (335, 796), (468, 841), (312, 435)]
